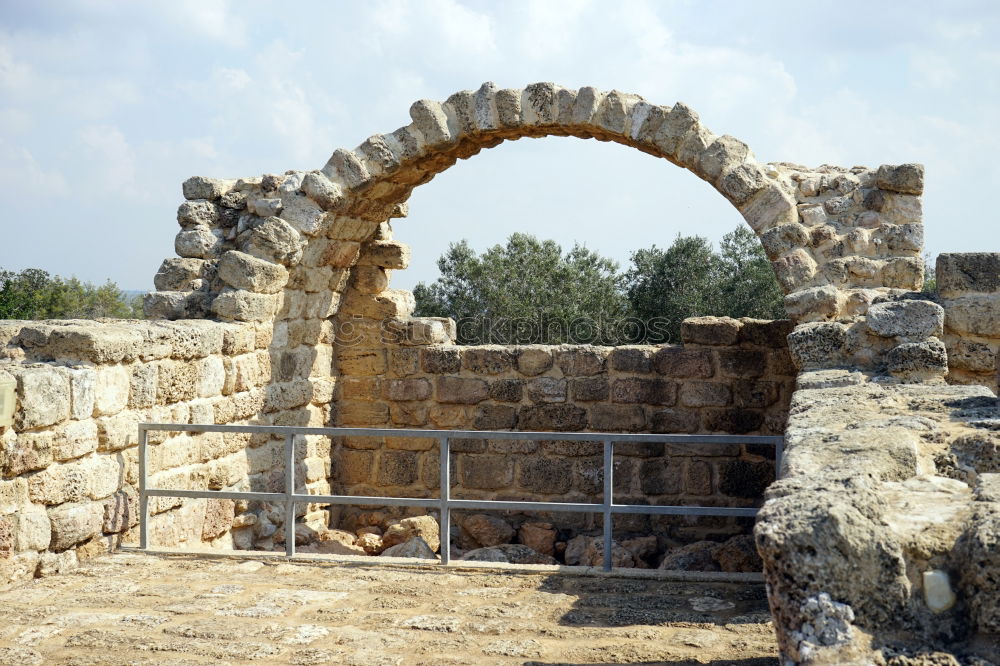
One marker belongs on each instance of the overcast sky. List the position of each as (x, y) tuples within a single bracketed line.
[(106, 106)]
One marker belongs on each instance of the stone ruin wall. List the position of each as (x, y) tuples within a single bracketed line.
[(729, 377), (281, 263)]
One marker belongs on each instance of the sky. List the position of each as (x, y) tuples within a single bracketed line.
[(106, 106)]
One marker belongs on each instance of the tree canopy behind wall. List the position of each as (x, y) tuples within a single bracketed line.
[(35, 294), (531, 291)]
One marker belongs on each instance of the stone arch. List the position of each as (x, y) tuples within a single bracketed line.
[(307, 245)]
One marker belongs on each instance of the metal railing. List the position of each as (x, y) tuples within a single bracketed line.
[(445, 504)]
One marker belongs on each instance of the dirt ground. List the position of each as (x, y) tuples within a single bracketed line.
[(131, 608)]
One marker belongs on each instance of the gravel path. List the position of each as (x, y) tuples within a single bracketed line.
[(132, 608)]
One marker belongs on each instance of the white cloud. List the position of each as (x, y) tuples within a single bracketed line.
[(932, 70), (111, 163), (215, 19), (22, 173)]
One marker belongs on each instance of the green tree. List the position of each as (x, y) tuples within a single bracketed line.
[(690, 279), (35, 294), (748, 287), (526, 291), (670, 285)]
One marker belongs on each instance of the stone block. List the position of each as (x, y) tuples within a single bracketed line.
[(75, 439), (674, 421), (219, 514), (198, 243), (33, 529), (180, 274), (362, 414), (710, 330), (461, 390), (397, 468), (241, 305), (408, 414), (243, 271), (640, 390), (582, 360), (532, 361), (560, 417), (742, 362), (818, 345), (766, 333), (698, 478), (590, 389), (75, 523), (617, 418), (910, 319), (736, 421), (918, 361), (506, 390), (904, 178), (549, 476), (675, 361), (404, 362), (27, 452), (407, 389), (176, 381), (660, 477), (441, 360), (972, 356), (977, 314), (272, 239), (491, 360), (370, 279), (755, 393), (449, 416), (705, 394), (82, 384), (43, 397), (142, 385), (546, 389), (495, 417), (631, 359), (200, 187), (354, 466), (960, 273), (739, 478), (121, 511), (487, 471), (389, 304), (385, 254)]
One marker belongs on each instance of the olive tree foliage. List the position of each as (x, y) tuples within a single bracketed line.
[(691, 279), (35, 294), (527, 291), (530, 291)]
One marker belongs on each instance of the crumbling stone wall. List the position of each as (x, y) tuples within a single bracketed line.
[(968, 286), (69, 463)]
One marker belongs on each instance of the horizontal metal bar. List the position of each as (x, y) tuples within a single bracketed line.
[(466, 434), (457, 503), (683, 510), (216, 494)]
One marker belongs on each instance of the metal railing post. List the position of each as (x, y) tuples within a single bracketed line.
[(143, 497), (609, 478), (779, 453), (289, 491), (445, 522)]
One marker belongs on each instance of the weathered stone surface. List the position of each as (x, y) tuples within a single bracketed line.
[(974, 314), (385, 254), (461, 390), (589, 552), (511, 553), (274, 240), (533, 361), (905, 178), (484, 530), (910, 319), (200, 187), (710, 330), (244, 271), (540, 537), (698, 556), (243, 305), (959, 273), (407, 529), (918, 360), (818, 345), (416, 547), (74, 523), (43, 397)]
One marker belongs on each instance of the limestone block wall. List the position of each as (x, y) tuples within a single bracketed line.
[(969, 289), (729, 376), (69, 463)]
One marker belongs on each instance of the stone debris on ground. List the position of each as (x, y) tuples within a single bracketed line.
[(189, 609)]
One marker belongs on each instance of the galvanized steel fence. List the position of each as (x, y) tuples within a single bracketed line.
[(445, 504)]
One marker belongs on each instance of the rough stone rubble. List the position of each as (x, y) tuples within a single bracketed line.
[(888, 482)]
